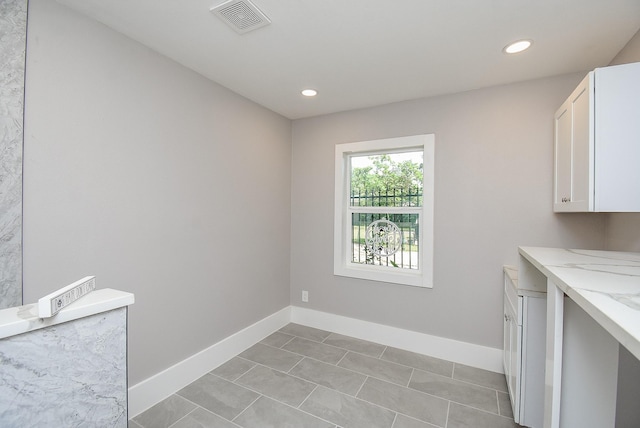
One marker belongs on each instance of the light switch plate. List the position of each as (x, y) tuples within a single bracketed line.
[(51, 304)]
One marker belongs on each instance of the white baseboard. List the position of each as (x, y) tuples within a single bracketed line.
[(447, 349), (151, 391)]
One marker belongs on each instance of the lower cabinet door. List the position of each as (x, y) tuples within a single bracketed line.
[(511, 356), (506, 345)]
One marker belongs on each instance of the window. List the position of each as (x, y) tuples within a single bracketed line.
[(384, 210)]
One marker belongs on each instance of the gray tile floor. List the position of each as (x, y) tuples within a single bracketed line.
[(305, 377)]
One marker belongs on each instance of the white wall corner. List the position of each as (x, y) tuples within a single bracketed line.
[(152, 390), (470, 354)]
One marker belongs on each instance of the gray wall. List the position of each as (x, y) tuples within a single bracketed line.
[(157, 181), (13, 37), (493, 178), (623, 229), (630, 53)]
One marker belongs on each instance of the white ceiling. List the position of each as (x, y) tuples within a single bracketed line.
[(361, 53)]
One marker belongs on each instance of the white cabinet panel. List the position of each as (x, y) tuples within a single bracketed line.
[(597, 143), (524, 338), (589, 371), (617, 138)]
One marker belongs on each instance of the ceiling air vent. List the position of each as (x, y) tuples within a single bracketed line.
[(241, 15)]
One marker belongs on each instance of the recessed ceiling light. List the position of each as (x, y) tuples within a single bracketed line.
[(518, 46), (309, 92)]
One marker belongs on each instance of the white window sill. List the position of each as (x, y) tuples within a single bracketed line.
[(383, 274)]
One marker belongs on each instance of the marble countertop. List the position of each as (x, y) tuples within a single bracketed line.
[(23, 319), (605, 284)]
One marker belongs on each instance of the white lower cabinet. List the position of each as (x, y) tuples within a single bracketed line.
[(524, 350)]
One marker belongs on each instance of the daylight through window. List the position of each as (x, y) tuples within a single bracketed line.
[(385, 201), (383, 212)]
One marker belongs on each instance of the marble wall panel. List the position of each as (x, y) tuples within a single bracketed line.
[(70, 374), (13, 35)]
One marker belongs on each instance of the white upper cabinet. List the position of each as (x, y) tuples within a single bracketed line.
[(597, 143)]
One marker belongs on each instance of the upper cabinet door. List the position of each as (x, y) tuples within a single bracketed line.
[(597, 143), (562, 168), (582, 151), (573, 150)]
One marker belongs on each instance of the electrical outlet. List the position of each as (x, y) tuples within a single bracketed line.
[(305, 296), (51, 304)]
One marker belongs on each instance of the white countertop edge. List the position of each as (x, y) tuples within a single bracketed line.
[(23, 319), (611, 316), (604, 311)]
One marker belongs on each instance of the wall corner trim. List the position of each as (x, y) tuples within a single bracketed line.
[(151, 391)]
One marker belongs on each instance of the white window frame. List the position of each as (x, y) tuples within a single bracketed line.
[(342, 265)]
